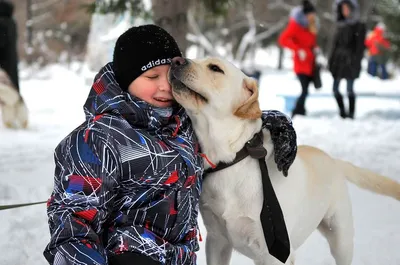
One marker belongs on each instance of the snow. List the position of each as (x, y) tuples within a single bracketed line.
[(55, 97)]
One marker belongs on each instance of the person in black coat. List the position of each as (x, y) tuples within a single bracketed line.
[(347, 52), (8, 42)]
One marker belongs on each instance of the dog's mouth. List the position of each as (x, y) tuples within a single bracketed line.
[(179, 86)]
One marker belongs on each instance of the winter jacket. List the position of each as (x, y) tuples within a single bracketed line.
[(8, 42), (378, 46), (348, 44), (125, 181), (296, 36)]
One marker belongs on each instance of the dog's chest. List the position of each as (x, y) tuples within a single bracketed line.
[(234, 190)]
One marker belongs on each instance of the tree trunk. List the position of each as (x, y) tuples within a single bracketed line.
[(171, 15), (365, 9), (29, 24)]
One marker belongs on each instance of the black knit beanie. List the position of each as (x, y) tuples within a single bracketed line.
[(308, 7), (140, 49)]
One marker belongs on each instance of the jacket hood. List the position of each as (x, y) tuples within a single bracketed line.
[(106, 97), (355, 12), (298, 15), (6, 9)]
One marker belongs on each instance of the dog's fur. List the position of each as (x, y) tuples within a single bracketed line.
[(223, 105), (13, 109)]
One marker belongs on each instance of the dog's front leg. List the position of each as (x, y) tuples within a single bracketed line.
[(218, 246), (246, 235), (218, 249)]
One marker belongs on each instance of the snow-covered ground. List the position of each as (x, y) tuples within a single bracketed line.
[(55, 99)]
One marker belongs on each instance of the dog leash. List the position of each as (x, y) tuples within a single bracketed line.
[(272, 219), (12, 206)]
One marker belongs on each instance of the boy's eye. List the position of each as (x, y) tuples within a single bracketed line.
[(152, 76)]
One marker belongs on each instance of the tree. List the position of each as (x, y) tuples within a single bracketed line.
[(169, 14), (390, 12), (238, 26), (50, 30)]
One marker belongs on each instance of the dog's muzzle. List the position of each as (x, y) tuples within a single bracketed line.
[(177, 70), (177, 76)]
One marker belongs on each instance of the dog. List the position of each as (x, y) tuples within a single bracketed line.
[(222, 103), (13, 108)]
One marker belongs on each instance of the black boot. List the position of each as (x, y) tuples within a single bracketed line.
[(299, 112), (299, 108), (352, 106), (339, 100)]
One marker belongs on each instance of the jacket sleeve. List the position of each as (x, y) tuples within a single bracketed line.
[(85, 183), (287, 37), (383, 45), (359, 43), (283, 137), (369, 40)]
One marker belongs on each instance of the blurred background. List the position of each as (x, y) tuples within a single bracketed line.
[(61, 44), (51, 31)]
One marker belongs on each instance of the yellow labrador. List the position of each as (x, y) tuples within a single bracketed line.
[(223, 105), (13, 109)]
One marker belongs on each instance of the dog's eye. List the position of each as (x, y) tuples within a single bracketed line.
[(215, 68)]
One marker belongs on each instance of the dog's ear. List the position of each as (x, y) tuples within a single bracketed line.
[(250, 109)]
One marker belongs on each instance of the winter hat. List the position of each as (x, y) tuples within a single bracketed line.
[(139, 49), (308, 7)]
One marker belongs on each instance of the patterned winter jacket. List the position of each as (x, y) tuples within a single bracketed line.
[(127, 179)]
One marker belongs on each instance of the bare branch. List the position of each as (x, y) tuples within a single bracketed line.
[(281, 5), (43, 5), (39, 18), (271, 31), (198, 36), (248, 37), (328, 16)]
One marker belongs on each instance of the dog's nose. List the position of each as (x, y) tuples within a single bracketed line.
[(177, 61)]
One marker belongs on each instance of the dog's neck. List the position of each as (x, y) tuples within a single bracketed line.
[(220, 140)]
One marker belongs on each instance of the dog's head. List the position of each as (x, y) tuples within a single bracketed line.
[(214, 86)]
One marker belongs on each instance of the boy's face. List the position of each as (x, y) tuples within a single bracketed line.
[(153, 87)]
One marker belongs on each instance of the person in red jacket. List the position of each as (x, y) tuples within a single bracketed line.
[(300, 36), (378, 50)]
